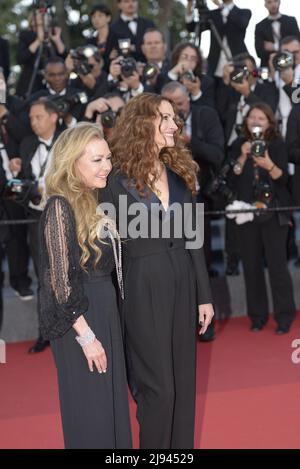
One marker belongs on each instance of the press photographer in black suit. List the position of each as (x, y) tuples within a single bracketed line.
[(270, 31), (129, 25), (231, 23), (34, 159), (261, 180)]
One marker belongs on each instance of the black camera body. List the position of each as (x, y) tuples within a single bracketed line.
[(108, 118), (64, 104), (263, 194), (151, 70), (219, 184), (80, 57), (23, 191), (258, 144), (239, 73), (128, 66), (188, 75), (283, 60)]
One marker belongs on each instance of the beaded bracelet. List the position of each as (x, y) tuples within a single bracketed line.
[(87, 338)]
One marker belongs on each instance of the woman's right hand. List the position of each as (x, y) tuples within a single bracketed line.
[(246, 149), (95, 354)]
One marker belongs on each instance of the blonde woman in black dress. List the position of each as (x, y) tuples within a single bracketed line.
[(78, 310)]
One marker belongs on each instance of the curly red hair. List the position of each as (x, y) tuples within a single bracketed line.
[(135, 151)]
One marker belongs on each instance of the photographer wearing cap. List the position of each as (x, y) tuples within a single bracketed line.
[(259, 179), (270, 31)]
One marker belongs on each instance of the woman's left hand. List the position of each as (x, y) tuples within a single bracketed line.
[(206, 313), (193, 87), (264, 162)]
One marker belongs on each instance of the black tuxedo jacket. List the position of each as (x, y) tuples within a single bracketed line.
[(207, 141), (120, 30), (28, 148), (264, 32), (4, 57), (229, 99), (293, 146), (234, 30)]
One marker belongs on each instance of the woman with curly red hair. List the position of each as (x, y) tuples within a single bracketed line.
[(166, 285)]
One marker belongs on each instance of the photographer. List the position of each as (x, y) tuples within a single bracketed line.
[(86, 64), (100, 17), (285, 70), (105, 111), (259, 178), (157, 64), (57, 88), (186, 67), (230, 22), (124, 77), (43, 39), (240, 89), (129, 25), (270, 31), (34, 160)]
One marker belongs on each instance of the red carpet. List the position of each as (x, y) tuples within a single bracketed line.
[(248, 393)]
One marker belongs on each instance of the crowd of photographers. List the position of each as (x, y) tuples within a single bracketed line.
[(241, 123)]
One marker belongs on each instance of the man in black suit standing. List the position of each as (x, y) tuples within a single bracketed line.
[(270, 31), (231, 23), (4, 57), (129, 26)]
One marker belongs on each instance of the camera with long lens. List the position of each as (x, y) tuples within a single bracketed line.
[(258, 144), (283, 60), (219, 184), (108, 118), (128, 66), (80, 57), (188, 75), (239, 73), (151, 70), (22, 191), (64, 104)]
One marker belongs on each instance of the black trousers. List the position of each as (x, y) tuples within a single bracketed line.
[(160, 340), (16, 248), (256, 242)]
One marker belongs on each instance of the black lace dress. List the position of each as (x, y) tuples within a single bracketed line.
[(94, 407)]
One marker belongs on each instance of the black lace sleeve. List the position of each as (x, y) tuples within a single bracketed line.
[(61, 298)]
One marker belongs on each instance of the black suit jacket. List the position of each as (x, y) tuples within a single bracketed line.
[(234, 30), (4, 57), (293, 146), (118, 184), (28, 148), (120, 30), (229, 99), (264, 32), (207, 141)]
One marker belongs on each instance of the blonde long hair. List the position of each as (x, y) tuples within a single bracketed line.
[(63, 179)]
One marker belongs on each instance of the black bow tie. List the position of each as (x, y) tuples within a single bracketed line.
[(131, 21), (48, 147)]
